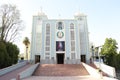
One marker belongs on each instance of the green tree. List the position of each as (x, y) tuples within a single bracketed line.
[(4, 58), (26, 42), (8, 54), (109, 50), (117, 61), (13, 52)]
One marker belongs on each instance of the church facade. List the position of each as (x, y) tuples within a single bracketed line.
[(60, 41)]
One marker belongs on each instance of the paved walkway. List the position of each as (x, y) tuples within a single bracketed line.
[(13, 74), (61, 78)]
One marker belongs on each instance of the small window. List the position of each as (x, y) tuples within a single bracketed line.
[(72, 48), (47, 48), (67, 58), (48, 38), (47, 53), (60, 26), (72, 35), (47, 57), (47, 29), (47, 43), (72, 43), (80, 18), (52, 58)]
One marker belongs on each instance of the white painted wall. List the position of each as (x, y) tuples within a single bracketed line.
[(107, 69)]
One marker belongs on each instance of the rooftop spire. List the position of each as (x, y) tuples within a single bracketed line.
[(41, 12)]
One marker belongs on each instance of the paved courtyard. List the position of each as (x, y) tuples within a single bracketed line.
[(61, 78)]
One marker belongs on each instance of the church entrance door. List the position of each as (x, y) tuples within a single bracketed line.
[(37, 58), (83, 58), (60, 58)]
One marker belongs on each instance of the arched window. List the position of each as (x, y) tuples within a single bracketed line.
[(47, 42), (72, 35), (47, 24), (71, 26), (47, 29), (47, 34)]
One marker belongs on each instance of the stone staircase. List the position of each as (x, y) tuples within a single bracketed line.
[(61, 70)]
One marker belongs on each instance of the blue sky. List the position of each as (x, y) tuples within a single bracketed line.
[(103, 15)]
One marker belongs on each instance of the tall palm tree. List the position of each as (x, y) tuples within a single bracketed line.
[(26, 42)]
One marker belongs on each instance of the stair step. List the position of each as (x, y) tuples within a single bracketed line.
[(60, 70)]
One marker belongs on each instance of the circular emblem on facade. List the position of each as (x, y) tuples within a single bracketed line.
[(60, 34)]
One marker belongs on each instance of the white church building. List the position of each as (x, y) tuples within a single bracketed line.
[(60, 41)]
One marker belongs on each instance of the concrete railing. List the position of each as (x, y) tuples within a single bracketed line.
[(11, 68), (93, 72), (107, 69), (28, 72)]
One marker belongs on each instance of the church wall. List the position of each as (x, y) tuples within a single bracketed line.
[(33, 38), (67, 41), (78, 48), (84, 41), (38, 44), (53, 47)]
